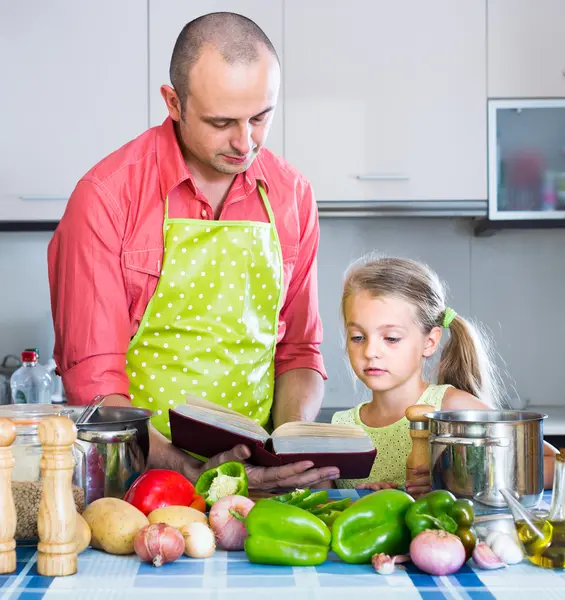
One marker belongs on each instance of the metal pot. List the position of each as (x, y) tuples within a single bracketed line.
[(475, 453), (115, 444)]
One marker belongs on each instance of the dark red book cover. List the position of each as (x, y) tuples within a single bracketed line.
[(207, 440)]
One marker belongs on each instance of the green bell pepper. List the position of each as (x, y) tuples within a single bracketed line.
[(282, 534), (334, 506), (371, 525), (329, 512), (303, 498), (228, 479), (440, 509)]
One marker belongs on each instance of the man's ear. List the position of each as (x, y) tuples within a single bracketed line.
[(172, 101), (432, 342)]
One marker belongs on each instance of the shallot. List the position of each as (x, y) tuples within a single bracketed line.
[(158, 543), (437, 552), (229, 530), (199, 541)]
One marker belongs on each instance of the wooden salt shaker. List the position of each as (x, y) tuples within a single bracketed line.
[(56, 523), (420, 454), (7, 506)]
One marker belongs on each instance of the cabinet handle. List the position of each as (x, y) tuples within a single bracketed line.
[(44, 198), (382, 177)]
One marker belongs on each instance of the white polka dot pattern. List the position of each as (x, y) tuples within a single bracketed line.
[(213, 312)]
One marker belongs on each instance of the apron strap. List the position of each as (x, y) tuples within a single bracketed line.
[(266, 202)]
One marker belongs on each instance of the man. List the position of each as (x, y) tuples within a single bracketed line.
[(185, 262)]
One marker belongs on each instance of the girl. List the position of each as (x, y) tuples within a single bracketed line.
[(394, 313)]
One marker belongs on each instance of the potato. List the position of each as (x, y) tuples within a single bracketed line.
[(114, 523), (83, 534), (177, 516)]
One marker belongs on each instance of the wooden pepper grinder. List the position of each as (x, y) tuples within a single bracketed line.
[(7, 506), (420, 454), (56, 523)]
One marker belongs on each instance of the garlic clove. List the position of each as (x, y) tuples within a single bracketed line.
[(507, 549), (485, 558), (489, 540), (383, 563)]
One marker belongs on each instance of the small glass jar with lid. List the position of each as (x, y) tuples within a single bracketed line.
[(26, 475)]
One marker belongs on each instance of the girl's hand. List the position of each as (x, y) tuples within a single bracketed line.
[(376, 486), (421, 484)]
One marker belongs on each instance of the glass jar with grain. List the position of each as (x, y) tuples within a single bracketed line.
[(26, 476)]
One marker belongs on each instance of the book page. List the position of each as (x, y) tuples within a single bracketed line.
[(322, 438), (224, 418), (306, 428)]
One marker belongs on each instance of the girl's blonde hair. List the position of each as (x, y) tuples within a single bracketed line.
[(465, 362)]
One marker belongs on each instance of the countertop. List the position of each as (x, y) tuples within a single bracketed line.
[(229, 576)]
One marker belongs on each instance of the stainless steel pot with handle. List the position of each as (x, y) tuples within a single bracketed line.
[(115, 448), (475, 453)]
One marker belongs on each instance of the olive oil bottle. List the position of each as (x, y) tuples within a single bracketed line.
[(543, 538)]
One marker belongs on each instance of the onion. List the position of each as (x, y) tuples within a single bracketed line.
[(229, 530), (437, 552), (158, 543), (199, 541)]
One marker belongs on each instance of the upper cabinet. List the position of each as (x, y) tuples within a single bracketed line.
[(526, 49), (74, 82), (387, 100), (168, 17)]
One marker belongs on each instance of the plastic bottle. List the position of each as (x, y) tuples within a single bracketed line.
[(56, 382), (31, 384)]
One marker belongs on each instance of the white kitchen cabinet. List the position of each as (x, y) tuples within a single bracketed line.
[(166, 20), (387, 100), (526, 48), (74, 88)]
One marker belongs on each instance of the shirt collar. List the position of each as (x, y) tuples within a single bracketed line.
[(173, 170)]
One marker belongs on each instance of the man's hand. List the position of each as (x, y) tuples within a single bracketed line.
[(420, 485), (294, 475)]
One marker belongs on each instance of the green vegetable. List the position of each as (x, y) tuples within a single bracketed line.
[(313, 500), (335, 506), (303, 498), (440, 509), (293, 497), (372, 525), (229, 479), (282, 534)]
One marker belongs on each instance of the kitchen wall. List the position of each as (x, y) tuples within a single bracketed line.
[(513, 282)]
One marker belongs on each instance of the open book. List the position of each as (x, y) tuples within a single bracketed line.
[(207, 429)]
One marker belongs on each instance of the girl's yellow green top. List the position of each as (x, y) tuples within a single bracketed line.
[(393, 442)]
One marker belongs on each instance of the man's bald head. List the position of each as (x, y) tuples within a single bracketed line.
[(237, 38)]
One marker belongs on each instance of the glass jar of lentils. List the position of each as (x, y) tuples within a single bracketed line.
[(26, 476)]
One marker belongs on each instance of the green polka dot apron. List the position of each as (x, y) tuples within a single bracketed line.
[(210, 328)]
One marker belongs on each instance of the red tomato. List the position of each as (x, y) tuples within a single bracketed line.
[(198, 503), (157, 488)]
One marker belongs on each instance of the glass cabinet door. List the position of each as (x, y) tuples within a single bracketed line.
[(526, 159)]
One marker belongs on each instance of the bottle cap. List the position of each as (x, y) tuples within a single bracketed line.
[(29, 356)]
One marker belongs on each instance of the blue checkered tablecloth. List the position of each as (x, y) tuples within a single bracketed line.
[(229, 576)]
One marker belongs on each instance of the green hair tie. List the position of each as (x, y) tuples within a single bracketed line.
[(448, 317)]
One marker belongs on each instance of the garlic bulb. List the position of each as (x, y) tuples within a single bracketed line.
[(505, 548)]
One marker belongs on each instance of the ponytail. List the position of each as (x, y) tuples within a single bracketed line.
[(467, 364)]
